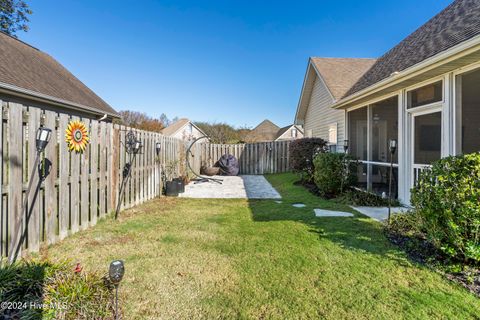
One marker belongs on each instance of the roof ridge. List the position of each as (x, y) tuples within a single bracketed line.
[(363, 58), (21, 41)]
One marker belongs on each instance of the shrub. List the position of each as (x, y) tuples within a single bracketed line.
[(302, 152), (334, 173), (447, 201), (63, 292), (363, 198), (405, 224)]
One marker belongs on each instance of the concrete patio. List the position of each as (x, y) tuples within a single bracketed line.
[(237, 187)]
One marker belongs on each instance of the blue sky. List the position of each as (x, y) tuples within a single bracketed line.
[(223, 61)]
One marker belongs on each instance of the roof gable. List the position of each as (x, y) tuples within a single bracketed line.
[(25, 67), (179, 125), (265, 131), (340, 74), (283, 130), (175, 127), (457, 23), (337, 76)]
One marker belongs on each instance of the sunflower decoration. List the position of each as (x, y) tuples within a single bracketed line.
[(76, 136)]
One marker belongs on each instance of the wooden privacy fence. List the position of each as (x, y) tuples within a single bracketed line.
[(84, 187), (80, 188), (254, 158)]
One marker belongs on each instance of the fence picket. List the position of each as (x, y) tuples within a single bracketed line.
[(82, 187), (50, 191)]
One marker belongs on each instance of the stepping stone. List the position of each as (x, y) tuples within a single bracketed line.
[(278, 201), (298, 205), (330, 213)]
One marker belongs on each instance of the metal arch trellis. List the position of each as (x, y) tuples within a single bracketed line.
[(132, 147), (189, 154)]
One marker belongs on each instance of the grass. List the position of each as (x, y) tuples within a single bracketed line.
[(239, 259)]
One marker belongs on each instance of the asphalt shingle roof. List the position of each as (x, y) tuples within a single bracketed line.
[(340, 74), (457, 23), (26, 67)]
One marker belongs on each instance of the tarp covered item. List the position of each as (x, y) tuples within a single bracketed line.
[(228, 165)]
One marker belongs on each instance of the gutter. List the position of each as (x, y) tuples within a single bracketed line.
[(33, 95), (411, 71)]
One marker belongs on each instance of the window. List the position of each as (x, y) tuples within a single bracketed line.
[(468, 105), (428, 94), (332, 133), (294, 133)]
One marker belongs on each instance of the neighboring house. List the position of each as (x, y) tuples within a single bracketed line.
[(290, 132), (423, 93), (31, 77), (265, 131), (183, 129), (326, 81)]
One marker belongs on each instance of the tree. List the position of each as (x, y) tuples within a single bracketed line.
[(164, 120), (221, 132), (141, 121), (14, 16)]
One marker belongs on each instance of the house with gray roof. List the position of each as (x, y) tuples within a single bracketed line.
[(326, 81), (183, 129), (267, 131), (290, 132), (423, 93), (32, 77)]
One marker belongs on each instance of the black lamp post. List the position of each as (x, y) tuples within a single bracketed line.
[(158, 148), (133, 147), (345, 146), (42, 138), (115, 273), (392, 145)]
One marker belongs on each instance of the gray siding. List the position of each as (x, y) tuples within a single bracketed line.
[(287, 135), (320, 115)]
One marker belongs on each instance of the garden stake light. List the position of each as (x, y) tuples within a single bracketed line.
[(392, 144), (42, 139), (345, 146), (115, 273), (132, 146)]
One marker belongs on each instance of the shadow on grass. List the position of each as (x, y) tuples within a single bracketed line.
[(358, 233)]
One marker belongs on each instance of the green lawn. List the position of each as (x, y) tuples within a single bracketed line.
[(229, 259)]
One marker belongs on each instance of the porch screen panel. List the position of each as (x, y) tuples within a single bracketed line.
[(427, 138), (384, 127), (357, 133), (470, 109)]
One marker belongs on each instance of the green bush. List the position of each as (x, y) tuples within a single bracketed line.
[(447, 200), (334, 173), (406, 224), (54, 291), (302, 152), (363, 198)]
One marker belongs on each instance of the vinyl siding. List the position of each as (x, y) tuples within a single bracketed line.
[(320, 115), (287, 135), (183, 134)]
